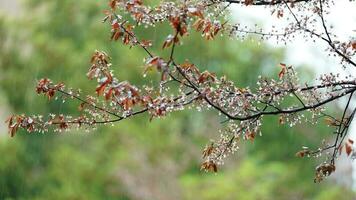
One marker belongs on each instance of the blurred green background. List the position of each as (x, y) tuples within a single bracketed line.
[(137, 159)]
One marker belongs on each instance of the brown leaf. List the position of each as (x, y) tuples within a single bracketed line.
[(209, 166), (248, 2), (168, 42), (117, 35), (283, 70), (146, 43), (281, 120), (156, 62), (348, 148), (279, 13), (50, 93), (99, 56), (92, 71), (127, 39), (331, 122), (353, 45), (350, 141), (198, 25), (109, 94), (340, 149), (195, 12), (302, 153), (43, 85), (179, 25), (9, 121), (250, 135), (206, 76), (127, 103), (13, 130), (208, 150), (190, 66), (112, 4), (217, 28), (81, 106), (13, 126), (207, 27), (100, 89)]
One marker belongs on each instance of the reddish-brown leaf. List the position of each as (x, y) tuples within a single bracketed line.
[(283, 70), (127, 103), (209, 166), (348, 148), (207, 27), (81, 106), (199, 24), (302, 153), (12, 125), (206, 76), (279, 13), (331, 122), (9, 121), (169, 41), (208, 150), (146, 43), (116, 35), (100, 89), (50, 93), (112, 4), (63, 125), (157, 63), (127, 39), (281, 119), (250, 135), (91, 72), (353, 45), (248, 2), (13, 130), (109, 94), (340, 149), (195, 12)]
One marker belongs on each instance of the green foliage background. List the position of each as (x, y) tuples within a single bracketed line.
[(137, 159)]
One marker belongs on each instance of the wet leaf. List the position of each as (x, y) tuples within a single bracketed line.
[(302, 153), (282, 71)]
